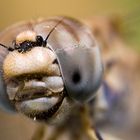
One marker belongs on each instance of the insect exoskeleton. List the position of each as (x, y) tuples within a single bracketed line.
[(50, 65)]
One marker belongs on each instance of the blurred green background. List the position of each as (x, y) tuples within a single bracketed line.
[(12, 11)]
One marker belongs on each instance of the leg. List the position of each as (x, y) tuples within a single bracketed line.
[(87, 127)]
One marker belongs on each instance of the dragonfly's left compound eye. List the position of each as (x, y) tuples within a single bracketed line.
[(82, 72)]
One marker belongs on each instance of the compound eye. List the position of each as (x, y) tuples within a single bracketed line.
[(39, 40), (5, 103), (82, 75)]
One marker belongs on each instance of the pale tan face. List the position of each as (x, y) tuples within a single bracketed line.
[(45, 54), (34, 82)]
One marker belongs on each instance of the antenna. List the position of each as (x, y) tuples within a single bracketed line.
[(45, 41), (8, 48)]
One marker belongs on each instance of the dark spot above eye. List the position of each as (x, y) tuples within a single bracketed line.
[(76, 77)]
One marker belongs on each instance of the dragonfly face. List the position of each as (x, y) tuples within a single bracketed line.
[(52, 65)]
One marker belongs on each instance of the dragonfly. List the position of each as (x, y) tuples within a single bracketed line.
[(50, 72)]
